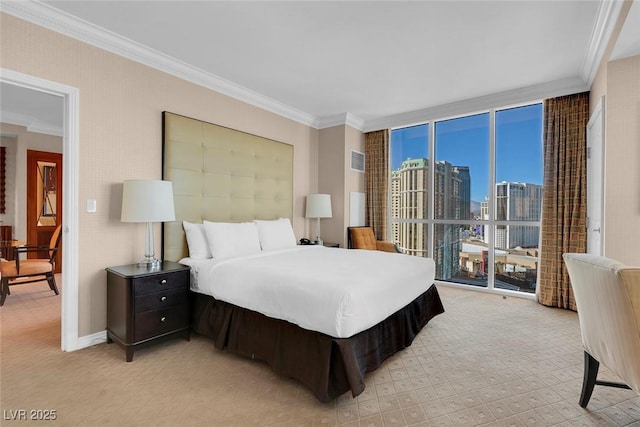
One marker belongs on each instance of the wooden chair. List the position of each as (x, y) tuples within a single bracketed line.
[(608, 299), (18, 272), (364, 238)]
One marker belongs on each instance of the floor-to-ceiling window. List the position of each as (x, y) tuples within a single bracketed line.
[(467, 191)]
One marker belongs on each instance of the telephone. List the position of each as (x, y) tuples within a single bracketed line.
[(305, 241)]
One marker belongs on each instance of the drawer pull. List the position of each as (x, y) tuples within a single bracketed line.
[(163, 282), (162, 319), (163, 298)]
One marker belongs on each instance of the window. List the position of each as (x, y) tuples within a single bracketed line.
[(467, 192)]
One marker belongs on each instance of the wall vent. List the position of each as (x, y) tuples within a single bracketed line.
[(357, 161)]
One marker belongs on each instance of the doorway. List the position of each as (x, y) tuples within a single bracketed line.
[(70, 182), (44, 200), (595, 180)]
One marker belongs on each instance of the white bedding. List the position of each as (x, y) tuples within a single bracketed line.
[(339, 292)]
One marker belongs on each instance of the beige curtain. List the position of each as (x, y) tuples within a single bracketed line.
[(564, 206), (376, 150)]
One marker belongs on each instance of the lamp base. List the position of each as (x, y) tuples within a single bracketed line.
[(150, 262), (318, 241)]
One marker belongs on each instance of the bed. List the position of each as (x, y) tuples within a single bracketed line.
[(319, 323)]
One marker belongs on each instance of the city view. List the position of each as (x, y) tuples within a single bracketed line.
[(470, 228)]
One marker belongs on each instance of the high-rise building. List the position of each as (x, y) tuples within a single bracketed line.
[(484, 209), (410, 199), (516, 201), (465, 191)]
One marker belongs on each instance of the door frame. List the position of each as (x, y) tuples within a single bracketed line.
[(70, 183)]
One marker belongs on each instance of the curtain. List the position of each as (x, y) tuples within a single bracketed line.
[(376, 151), (564, 205)]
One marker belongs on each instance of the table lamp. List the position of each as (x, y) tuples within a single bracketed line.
[(145, 200), (318, 206)]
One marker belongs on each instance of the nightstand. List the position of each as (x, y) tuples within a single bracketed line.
[(331, 245), (146, 306)]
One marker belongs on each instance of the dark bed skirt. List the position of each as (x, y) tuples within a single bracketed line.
[(327, 366)]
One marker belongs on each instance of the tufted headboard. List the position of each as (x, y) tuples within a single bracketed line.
[(221, 174)]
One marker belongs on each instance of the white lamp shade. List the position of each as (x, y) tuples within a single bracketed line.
[(145, 200), (318, 206)]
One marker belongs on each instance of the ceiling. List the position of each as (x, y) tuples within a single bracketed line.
[(37, 111), (325, 62)]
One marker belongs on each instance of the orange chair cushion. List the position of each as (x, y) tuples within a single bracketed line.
[(28, 267), (386, 246), (363, 238)]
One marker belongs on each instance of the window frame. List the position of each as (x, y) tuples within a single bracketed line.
[(491, 222)]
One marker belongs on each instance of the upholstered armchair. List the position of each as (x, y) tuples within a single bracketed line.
[(30, 270), (608, 299), (364, 238)]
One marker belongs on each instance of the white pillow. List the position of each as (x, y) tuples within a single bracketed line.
[(275, 234), (196, 240), (232, 239)]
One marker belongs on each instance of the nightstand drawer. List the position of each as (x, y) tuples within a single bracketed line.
[(160, 282), (157, 322), (161, 300)]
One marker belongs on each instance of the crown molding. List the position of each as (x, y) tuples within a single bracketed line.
[(606, 20), (31, 124), (53, 19), (479, 104), (341, 119), (354, 121), (45, 129)]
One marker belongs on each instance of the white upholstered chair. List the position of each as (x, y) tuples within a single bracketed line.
[(608, 299)]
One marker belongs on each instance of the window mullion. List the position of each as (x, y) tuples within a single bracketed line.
[(432, 174), (491, 246)]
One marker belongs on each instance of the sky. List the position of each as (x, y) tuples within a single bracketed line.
[(465, 142)]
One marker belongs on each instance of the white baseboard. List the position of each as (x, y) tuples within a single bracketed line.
[(88, 341)]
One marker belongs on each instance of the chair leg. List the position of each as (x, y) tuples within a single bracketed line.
[(591, 367), (4, 285), (51, 278)]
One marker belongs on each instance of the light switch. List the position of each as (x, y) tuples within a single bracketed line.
[(91, 205)]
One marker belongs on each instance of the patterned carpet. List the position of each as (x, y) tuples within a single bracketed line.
[(487, 360)]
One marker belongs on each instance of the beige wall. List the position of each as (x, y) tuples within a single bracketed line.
[(619, 83), (331, 181), (622, 160), (17, 145), (120, 137), (353, 180), (336, 177)]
